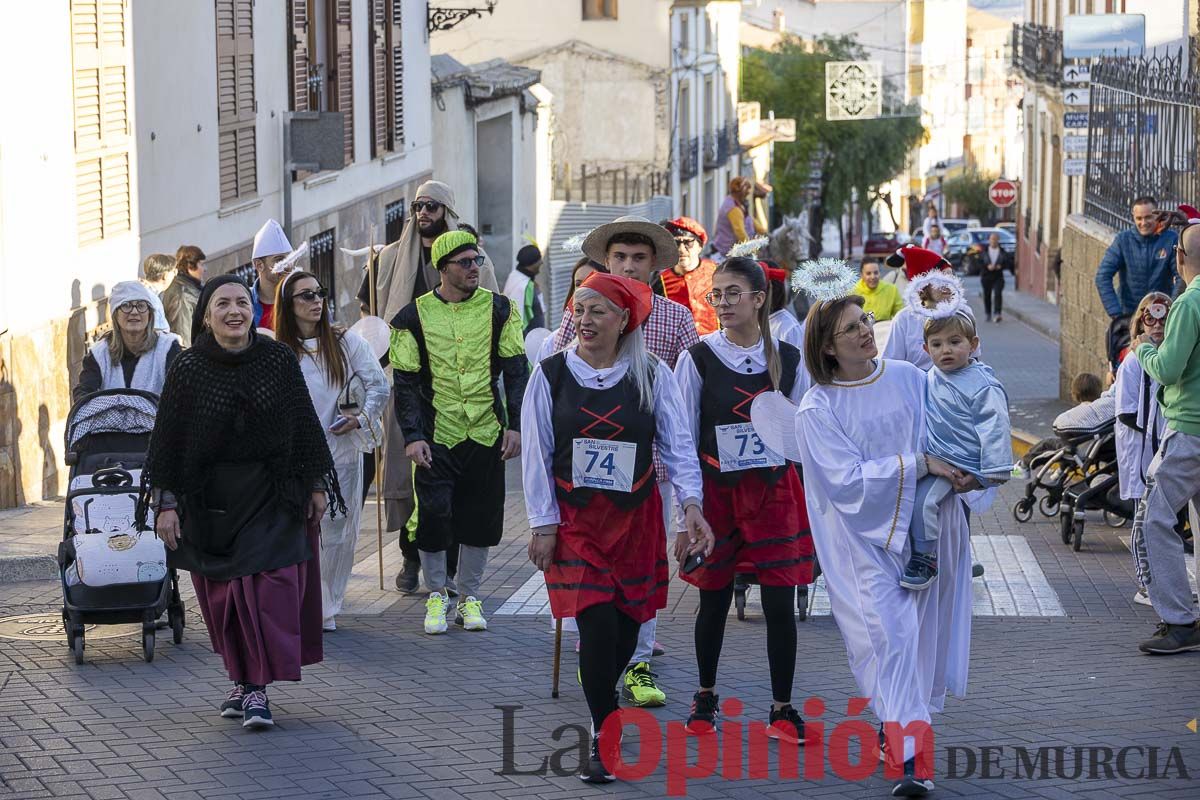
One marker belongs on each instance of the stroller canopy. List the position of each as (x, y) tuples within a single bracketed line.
[(111, 412)]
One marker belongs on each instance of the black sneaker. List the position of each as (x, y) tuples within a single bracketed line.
[(920, 572), (910, 785), (408, 578), (786, 725), (256, 710), (593, 770), (703, 718), (1170, 639), (232, 707)]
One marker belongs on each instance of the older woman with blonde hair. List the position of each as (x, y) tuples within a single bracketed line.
[(133, 355)]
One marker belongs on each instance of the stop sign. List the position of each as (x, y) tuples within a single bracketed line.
[(1002, 193)]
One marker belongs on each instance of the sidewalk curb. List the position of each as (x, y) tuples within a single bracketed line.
[(1022, 441), (1050, 332), (15, 569)]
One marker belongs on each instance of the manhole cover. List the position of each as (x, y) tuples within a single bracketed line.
[(49, 628)]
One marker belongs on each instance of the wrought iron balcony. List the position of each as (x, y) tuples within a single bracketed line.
[(689, 158), (712, 151), (1037, 53)]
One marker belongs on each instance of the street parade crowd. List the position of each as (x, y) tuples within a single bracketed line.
[(681, 414)]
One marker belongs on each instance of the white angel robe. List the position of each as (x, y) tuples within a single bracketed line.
[(860, 444), (1136, 393), (369, 387)]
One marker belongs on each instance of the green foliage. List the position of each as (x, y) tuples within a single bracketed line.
[(853, 157), (970, 191)]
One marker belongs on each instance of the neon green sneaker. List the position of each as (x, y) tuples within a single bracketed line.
[(470, 615), (435, 614), (640, 689)]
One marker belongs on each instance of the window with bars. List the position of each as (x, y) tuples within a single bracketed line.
[(387, 77), (393, 219), (599, 9), (321, 262), (322, 61), (237, 109), (100, 56)]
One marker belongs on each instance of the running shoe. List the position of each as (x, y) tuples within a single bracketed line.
[(469, 615), (640, 688), (329, 624), (786, 725), (257, 710), (593, 769), (407, 578), (1170, 639), (232, 707), (435, 614), (703, 718), (910, 785), (658, 650), (920, 572)]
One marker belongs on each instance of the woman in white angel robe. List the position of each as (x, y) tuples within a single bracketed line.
[(861, 433)]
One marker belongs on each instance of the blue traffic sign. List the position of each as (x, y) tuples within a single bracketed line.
[(1075, 119)]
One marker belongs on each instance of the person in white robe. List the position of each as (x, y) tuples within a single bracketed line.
[(861, 435), (1140, 423), (350, 405)]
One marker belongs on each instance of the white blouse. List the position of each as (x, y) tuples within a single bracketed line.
[(786, 328), (673, 439), (367, 383)]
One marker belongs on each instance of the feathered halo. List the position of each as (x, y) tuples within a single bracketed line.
[(289, 263), (748, 248), (936, 279), (824, 279), (574, 245)]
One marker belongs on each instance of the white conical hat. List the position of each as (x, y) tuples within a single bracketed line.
[(270, 241)]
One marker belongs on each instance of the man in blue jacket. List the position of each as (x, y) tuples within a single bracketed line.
[(1143, 258)]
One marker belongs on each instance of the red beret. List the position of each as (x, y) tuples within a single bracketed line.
[(918, 261), (688, 225), (633, 296)]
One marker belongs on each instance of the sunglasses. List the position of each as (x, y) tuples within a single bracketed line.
[(308, 295), (467, 263), (686, 241), (425, 205)]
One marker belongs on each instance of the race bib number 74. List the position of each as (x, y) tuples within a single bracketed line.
[(601, 464), (738, 448)]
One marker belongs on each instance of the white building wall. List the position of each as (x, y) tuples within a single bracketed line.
[(943, 59)]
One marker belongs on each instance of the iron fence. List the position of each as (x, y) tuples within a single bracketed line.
[(689, 158), (1037, 53), (1141, 135), (712, 153), (619, 186)]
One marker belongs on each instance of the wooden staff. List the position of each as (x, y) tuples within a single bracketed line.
[(557, 657), (372, 265)]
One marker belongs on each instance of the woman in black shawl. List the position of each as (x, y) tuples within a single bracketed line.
[(240, 475)]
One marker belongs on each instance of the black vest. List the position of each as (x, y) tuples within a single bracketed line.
[(612, 414), (726, 398)]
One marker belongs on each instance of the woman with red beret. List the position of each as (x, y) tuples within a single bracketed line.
[(595, 412)]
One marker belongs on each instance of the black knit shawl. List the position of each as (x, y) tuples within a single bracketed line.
[(224, 407)]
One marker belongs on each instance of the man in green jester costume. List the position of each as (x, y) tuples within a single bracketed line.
[(448, 351)]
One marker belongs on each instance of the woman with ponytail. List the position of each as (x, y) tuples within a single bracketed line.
[(752, 497)]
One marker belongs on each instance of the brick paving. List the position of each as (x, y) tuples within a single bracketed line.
[(392, 713)]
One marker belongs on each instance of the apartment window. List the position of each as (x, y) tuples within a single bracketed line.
[(237, 110), (387, 77), (322, 61), (685, 32), (99, 51), (393, 219), (321, 262), (599, 9)]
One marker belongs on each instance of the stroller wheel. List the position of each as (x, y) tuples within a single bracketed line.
[(77, 644), (1114, 520), (1077, 545), (1023, 509), (1049, 506), (148, 644), (1066, 524), (175, 617), (739, 600)]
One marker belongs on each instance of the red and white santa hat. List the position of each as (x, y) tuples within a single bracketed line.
[(1190, 213), (917, 261)]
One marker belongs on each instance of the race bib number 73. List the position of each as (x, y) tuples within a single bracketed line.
[(601, 464), (738, 448)]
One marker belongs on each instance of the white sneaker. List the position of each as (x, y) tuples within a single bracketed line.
[(435, 614), (329, 624), (1142, 598), (470, 615)]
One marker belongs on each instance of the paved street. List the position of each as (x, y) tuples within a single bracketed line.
[(392, 713)]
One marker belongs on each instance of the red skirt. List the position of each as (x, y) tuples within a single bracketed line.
[(607, 554), (760, 528), (266, 626)]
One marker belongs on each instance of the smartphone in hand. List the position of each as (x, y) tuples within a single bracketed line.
[(692, 563), (339, 424)]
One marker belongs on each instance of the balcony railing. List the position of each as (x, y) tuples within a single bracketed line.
[(689, 158), (1037, 53), (712, 151)]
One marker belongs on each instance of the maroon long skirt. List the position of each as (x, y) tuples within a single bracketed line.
[(268, 625)]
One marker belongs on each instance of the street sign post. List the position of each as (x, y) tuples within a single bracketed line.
[(1002, 193), (1075, 142), (1074, 167), (1075, 119), (1077, 97), (1077, 73)]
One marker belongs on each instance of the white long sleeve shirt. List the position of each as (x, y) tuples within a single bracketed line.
[(672, 436)]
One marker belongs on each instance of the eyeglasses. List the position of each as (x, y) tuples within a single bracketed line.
[(732, 297), (308, 295), (853, 329), (467, 263), (425, 205), (134, 307)]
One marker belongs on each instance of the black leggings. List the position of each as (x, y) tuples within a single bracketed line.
[(778, 607), (607, 639)]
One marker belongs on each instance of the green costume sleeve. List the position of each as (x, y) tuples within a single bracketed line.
[(403, 353), (512, 336)]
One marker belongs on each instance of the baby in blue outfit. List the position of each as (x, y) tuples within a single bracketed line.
[(966, 422)]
